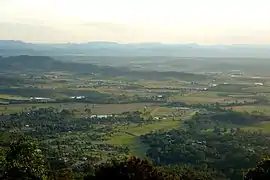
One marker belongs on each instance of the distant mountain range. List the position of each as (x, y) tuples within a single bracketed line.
[(11, 47)]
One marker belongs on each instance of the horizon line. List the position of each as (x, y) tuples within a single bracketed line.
[(129, 43)]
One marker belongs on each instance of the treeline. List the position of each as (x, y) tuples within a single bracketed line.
[(217, 106), (91, 98)]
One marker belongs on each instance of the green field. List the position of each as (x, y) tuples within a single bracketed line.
[(263, 126), (12, 97), (133, 140), (261, 108)]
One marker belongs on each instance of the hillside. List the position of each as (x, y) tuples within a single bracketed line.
[(26, 63)]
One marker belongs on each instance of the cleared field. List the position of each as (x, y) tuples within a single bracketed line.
[(132, 140), (205, 94), (258, 89), (212, 97), (260, 108), (195, 100), (162, 111), (12, 97), (264, 126), (162, 84)]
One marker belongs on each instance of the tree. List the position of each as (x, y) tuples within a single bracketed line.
[(261, 172), (88, 111), (64, 174), (2, 160), (187, 172), (24, 160), (129, 169)]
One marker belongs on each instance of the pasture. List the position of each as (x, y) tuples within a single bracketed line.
[(129, 135), (256, 108), (262, 126)]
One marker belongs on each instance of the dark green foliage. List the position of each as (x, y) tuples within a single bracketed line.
[(11, 80), (188, 172), (229, 88), (261, 172), (238, 117), (130, 169), (230, 153), (24, 160)]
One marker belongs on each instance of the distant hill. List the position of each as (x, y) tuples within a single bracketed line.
[(25, 63), (8, 48), (45, 63)]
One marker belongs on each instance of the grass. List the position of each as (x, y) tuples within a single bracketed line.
[(263, 126), (161, 84), (12, 97), (260, 108), (204, 94), (205, 97), (162, 111), (258, 89), (200, 97), (133, 141), (196, 100)]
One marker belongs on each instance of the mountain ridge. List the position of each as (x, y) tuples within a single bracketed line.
[(106, 48), (20, 42)]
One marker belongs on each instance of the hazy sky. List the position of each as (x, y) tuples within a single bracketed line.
[(167, 21)]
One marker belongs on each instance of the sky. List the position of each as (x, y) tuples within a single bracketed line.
[(127, 21)]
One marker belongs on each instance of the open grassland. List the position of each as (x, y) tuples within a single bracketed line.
[(231, 88), (212, 97), (263, 126), (197, 99), (259, 108), (258, 89), (162, 84), (129, 135), (12, 97), (104, 89), (162, 111)]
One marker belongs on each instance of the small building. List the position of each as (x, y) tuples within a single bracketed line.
[(100, 116), (77, 97)]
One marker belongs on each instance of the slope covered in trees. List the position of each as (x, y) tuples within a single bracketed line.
[(25, 63), (23, 159)]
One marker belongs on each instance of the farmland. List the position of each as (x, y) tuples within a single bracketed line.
[(110, 113)]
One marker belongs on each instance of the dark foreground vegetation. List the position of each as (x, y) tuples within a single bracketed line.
[(23, 159)]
